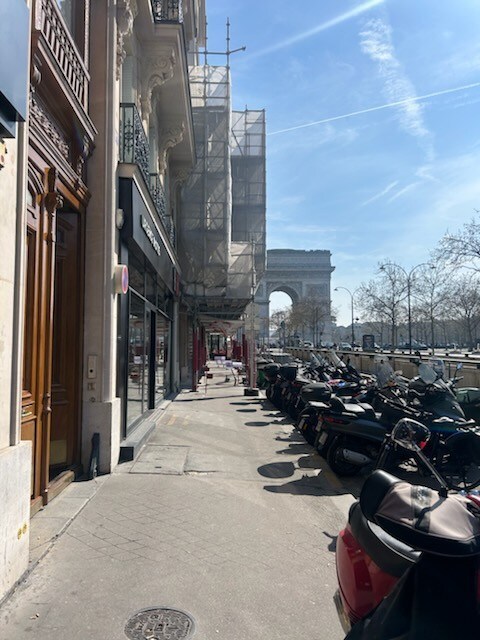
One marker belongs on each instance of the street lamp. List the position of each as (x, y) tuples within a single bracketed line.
[(351, 300), (408, 276)]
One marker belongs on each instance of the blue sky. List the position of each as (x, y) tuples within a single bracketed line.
[(385, 183)]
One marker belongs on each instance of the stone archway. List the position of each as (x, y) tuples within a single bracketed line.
[(299, 274)]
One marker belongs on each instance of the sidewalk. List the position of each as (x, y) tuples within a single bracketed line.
[(226, 514)]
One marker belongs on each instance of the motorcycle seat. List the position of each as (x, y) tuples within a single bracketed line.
[(390, 555), (420, 517), (318, 405)]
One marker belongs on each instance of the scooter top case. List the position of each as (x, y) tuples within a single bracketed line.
[(288, 372), (270, 371), (316, 392)]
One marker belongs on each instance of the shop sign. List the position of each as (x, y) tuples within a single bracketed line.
[(150, 235)]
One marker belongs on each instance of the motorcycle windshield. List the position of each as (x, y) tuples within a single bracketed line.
[(438, 365), (426, 373), (384, 373)]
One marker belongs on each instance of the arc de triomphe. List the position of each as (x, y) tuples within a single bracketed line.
[(300, 274)]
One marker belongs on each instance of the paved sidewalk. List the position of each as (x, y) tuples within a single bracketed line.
[(226, 514)]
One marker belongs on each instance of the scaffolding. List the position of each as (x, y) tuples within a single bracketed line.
[(248, 182), (223, 202)]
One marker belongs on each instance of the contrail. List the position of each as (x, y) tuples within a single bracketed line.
[(379, 108), (321, 27)]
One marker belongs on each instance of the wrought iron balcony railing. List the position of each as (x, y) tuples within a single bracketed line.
[(167, 11), (158, 196), (134, 147), (49, 22)]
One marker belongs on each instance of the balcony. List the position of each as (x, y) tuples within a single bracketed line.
[(167, 11), (158, 195), (50, 26), (134, 149)]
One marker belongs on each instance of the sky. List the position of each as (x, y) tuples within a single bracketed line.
[(373, 124)]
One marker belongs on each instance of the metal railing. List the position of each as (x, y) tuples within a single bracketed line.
[(167, 11), (158, 196), (49, 22), (134, 148)]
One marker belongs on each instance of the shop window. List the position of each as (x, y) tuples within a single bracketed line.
[(151, 288), (137, 361), (161, 357), (136, 275)]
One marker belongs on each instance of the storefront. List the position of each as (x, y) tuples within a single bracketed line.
[(145, 314)]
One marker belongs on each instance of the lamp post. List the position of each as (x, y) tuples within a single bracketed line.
[(408, 276), (353, 319)]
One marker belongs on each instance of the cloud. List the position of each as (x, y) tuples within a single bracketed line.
[(382, 193), (389, 105), (376, 42), (304, 35), (403, 191)]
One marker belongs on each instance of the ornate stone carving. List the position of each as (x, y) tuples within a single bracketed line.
[(44, 122), (156, 70), (127, 11), (84, 152), (51, 199), (168, 139), (178, 176)]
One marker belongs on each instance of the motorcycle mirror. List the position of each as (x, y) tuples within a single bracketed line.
[(426, 373), (411, 434)]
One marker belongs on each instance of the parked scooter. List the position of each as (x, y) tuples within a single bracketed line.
[(354, 442), (408, 561)]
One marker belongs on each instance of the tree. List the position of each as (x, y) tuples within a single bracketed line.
[(278, 320), (432, 293), (310, 314), (383, 298), (465, 306), (462, 249)]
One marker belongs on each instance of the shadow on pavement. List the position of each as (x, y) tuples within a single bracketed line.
[(312, 461), (295, 447), (258, 424), (306, 486), (247, 410), (332, 545), (277, 470)]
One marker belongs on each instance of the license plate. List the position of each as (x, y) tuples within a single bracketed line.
[(323, 438)]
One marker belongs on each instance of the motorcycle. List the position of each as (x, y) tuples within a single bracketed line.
[(403, 549), (354, 443)]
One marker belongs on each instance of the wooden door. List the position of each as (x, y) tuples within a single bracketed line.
[(66, 361), (31, 426)]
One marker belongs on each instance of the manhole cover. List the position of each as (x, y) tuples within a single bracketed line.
[(160, 623)]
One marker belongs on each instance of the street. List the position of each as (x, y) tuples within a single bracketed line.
[(227, 514)]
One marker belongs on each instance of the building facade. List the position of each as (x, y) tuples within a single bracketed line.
[(108, 292), (15, 454)]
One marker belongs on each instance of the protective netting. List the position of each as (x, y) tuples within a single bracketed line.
[(223, 210)]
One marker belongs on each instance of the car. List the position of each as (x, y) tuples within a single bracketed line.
[(344, 346), (307, 344)]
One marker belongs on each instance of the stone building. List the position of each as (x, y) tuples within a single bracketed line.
[(100, 319)]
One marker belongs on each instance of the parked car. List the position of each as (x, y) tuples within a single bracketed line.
[(344, 346), (307, 344)]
